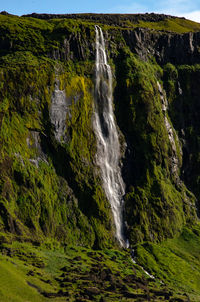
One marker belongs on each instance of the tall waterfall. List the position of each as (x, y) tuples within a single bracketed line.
[(108, 147)]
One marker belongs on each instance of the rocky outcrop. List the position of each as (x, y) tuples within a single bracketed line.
[(73, 47), (165, 47), (114, 19)]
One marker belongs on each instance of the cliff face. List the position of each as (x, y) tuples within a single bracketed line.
[(50, 185), (165, 47)]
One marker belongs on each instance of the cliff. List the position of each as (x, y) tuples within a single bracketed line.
[(50, 185)]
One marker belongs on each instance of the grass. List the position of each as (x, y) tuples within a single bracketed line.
[(74, 274), (177, 25), (175, 261), (13, 283), (174, 25)]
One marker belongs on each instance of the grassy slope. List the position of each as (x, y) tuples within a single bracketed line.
[(174, 25), (175, 261), (77, 274)]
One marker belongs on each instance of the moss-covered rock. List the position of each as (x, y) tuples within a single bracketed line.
[(49, 185)]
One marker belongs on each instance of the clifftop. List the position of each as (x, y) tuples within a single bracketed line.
[(65, 37), (160, 22), (116, 19)]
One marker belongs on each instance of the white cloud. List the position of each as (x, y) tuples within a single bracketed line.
[(180, 8), (194, 16), (176, 5)]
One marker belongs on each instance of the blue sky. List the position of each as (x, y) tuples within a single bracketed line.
[(185, 8)]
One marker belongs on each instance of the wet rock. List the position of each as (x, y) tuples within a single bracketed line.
[(58, 111)]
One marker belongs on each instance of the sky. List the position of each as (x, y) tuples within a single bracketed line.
[(189, 9)]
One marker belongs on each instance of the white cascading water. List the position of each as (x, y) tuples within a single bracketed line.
[(108, 147)]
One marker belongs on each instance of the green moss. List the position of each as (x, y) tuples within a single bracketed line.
[(184, 110), (170, 77), (81, 149), (155, 207), (172, 260), (36, 201)]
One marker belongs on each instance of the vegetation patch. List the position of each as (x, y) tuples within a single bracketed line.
[(76, 274), (175, 261)]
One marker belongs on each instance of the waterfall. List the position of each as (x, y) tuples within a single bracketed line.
[(108, 147), (171, 133)]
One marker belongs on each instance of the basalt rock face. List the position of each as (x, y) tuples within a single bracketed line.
[(185, 118), (165, 47), (50, 184)]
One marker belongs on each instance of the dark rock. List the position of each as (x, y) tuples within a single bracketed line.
[(129, 278), (82, 299), (10, 223), (164, 46), (47, 281), (64, 269), (134, 296), (94, 270), (60, 293), (166, 294), (77, 258), (94, 278), (66, 279), (30, 273), (92, 291), (7, 251), (5, 13), (177, 300), (103, 274), (112, 287)]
